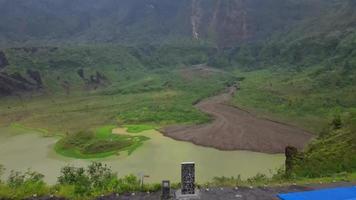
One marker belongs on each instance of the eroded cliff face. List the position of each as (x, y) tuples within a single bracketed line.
[(223, 21), (232, 22), (196, 18)]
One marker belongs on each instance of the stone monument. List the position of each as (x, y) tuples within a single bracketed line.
[(188, 190), (166, 190), (188, 178)]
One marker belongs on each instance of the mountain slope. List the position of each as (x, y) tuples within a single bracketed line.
[(222, 22)]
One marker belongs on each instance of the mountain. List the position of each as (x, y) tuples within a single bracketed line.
[(297, 59), (220, 22), (314, 37)]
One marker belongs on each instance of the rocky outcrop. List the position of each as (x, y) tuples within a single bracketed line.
[(11, 84), (98, 78), (93, 81), (3, 60), (36, 76)]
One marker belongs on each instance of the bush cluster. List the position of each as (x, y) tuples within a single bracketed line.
[(73, 183)]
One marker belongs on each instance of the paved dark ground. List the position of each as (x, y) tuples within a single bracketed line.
[(219, 194), (260, 193)]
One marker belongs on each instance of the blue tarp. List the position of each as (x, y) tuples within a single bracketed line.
[(345, 193)]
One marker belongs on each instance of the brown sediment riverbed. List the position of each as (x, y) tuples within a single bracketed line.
[(236, 129)]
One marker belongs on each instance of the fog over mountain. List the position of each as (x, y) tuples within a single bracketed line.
[(220, 22)]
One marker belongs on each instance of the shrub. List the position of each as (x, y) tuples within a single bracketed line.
[(75, 177), (96, 179), (21, 185), (17, 179), (100, 175), (258, 179), (128, 183), (336, 123)]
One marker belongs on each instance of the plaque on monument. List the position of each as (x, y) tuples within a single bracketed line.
[(166, 190), (188, 178)]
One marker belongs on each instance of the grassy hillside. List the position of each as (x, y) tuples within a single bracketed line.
[(305, 76), (334, 151), (134, 85), (295, 97)]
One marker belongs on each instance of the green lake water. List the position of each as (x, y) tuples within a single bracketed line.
[(160, 158)]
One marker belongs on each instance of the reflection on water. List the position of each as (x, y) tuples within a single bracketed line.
[(160, 158)]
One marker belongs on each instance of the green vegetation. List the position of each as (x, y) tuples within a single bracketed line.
[(292, 97), (21, 185), (87, 87), (303, 74), (138, 128), (308, 81), (100, 144), (98, 179), (156, 86), (142, 86), (333, 152), (73, 183)]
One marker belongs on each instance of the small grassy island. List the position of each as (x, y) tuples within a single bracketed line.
[(99, 144)]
